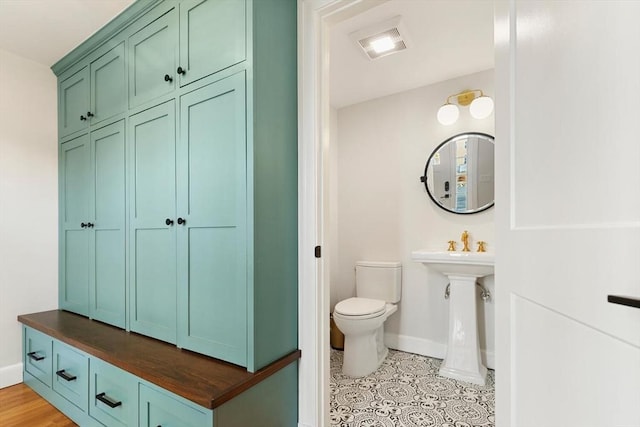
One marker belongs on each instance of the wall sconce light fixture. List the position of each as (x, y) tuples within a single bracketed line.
[(480, 106)]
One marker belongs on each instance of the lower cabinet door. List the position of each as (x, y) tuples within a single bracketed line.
[(113, 398), (37, 358), (161, 410), (71, 378)]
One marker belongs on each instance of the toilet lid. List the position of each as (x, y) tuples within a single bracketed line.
[(360, 307)]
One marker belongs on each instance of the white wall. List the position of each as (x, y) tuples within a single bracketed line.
[(28, 202), (383, 212)]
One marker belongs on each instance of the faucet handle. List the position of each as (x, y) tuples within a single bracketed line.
[(452, 246), (481, 247)]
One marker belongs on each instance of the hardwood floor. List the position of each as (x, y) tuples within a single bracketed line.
[(22, 407)]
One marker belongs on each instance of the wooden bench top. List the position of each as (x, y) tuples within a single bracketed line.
[(203, 380)]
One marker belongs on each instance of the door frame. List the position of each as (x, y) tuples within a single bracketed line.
[(315, 17)]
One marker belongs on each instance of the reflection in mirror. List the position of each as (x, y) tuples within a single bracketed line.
[(459, 174)]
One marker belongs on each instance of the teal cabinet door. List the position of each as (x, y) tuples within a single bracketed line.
[(113, 395), (108, 85), (107, 280), (212, 37), (152, 59), (152, 224), (212, 238), (74, 218), (160, 409), (73, 102)]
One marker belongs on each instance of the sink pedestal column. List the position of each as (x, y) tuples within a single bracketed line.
[(463, 360)]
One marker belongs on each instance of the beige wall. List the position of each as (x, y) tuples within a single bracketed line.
[(28, 201), (383, 213)]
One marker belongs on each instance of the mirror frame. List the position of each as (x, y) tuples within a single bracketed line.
[(424, 180)]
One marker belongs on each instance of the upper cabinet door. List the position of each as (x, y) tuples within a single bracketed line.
[(73, 100), (152, 59), (108, 85), (212, 37)]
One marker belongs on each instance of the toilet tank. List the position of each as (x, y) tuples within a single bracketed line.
[(379, 280)]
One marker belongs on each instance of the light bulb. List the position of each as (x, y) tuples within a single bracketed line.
[(448, 114), (481, 107), (383, 44)]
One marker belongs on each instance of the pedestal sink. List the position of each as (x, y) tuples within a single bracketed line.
[(463, 360)]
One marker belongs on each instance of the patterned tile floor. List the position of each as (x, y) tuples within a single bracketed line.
[(407, 391)]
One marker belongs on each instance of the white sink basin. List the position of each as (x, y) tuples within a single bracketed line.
[(473, 264), (463, 361)]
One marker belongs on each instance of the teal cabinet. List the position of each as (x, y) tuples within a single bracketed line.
[(113, 395), (74, 170), (108, 84), (37, 355), (222, 23), (73, 101), (93, 91), (152, 59), (152, 224), (92, 225), (212, 210), (71, 374), (107, 213), (160, 409)]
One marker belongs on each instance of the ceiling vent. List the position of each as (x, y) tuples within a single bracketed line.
[(381, 39)]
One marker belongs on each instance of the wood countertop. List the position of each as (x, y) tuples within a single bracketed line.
[(203, 380)]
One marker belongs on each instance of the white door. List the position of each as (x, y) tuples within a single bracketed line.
[(567, 213)]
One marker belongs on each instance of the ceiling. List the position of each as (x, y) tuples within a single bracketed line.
[(446, 39), (45, 30)]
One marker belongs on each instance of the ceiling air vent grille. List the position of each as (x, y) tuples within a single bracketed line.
[(382, 39)]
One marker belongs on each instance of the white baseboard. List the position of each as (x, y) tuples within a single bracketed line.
[(303, 425), (425, 347), (10, 375)]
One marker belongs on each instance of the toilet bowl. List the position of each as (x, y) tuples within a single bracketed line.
[(364, 349), (361, 318)]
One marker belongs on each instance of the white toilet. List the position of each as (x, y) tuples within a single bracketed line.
[(361, 319)]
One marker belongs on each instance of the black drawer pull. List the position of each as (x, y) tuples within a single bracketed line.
[(62, 374), (107, 400), (35, 356)]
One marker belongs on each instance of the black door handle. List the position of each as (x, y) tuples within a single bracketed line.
[(624, 300), (168, 221), (168, 78), (182, 221)]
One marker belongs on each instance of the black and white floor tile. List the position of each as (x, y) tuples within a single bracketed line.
[(407, 391)]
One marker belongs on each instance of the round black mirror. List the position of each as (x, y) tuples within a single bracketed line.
[(459, 174)]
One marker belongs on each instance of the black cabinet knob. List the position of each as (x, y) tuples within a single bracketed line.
[(181, 70), (168, 78), (89, 114), (90, 224), (83, 225), (168, 221), (182, 221), (83, 118)]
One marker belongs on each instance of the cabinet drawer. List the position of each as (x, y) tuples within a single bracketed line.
[(113, 397), (37, 355), (160, 409), (71, 374)]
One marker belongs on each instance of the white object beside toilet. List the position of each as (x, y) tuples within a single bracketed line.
[(361, 319)]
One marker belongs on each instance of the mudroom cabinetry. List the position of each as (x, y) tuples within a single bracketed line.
[(178, 218)]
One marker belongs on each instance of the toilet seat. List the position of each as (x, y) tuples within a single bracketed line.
[(360, 308)]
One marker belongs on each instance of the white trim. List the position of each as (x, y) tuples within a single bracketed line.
[(10, 375), (429, 348), (314, 19)]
